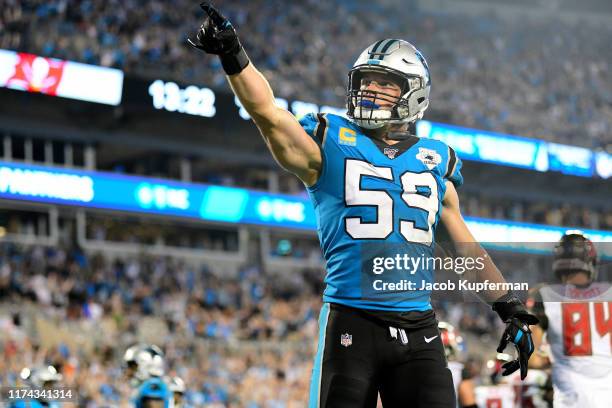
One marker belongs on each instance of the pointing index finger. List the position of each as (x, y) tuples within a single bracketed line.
[(213, 13)]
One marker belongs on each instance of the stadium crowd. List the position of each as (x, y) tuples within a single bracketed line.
[(244, 341), (185, 307), (538, 212), (487, 72)]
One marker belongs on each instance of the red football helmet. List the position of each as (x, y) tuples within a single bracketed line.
[(575, 253), (451, 339)]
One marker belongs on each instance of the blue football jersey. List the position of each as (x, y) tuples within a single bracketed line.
[(154, 388), (377, 208), (33, 404)]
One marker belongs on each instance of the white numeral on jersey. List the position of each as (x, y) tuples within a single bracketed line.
[(354, 195), (410, 182), (382, 228)]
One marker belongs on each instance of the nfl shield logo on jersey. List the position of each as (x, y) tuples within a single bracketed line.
[(346, 339), (390, 152), (430, 158)]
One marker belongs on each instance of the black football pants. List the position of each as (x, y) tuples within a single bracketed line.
[(359, 356)]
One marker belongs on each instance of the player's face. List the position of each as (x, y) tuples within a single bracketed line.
[(377, 82), (576, 278), (130, 369)]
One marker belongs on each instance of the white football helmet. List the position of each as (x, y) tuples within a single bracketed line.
[(146, 360), (404, 65), (177, 384), (41, 376)]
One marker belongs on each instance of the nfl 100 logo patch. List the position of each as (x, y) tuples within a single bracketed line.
[(346, 339), (390, 152)]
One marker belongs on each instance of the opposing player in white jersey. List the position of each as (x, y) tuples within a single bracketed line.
[(532, 392), (486, 388), (453, 347), (494, 396), (576, 315), (493, 390)]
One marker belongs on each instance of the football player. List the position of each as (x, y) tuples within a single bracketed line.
[(453, 347), (486, 391), (177, 387), (379, 192), (39, 378), (141, 362), (495, 391), (535, 391), (576, 315), (154, 393)]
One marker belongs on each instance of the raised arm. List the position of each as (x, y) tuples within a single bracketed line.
[(290, 145)]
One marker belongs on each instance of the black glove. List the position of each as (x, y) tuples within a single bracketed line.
[(511, 310), (217, 36)]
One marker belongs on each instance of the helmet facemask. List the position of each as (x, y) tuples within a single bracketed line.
[(366, 107), (575, 253), (141, 362)]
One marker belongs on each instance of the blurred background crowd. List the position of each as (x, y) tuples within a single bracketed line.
[(243, 341), (488, 72), (79, 313)]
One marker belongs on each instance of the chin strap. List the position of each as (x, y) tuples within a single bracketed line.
[(399, 135)]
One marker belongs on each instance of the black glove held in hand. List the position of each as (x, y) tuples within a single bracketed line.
[(517, 333), (517, 319), (217, 36)]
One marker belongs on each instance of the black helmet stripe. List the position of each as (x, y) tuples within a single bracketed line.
[(384, 48), (374, 48)]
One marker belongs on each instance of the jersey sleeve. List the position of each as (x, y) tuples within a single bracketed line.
[(315, 125), (453, 168)]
